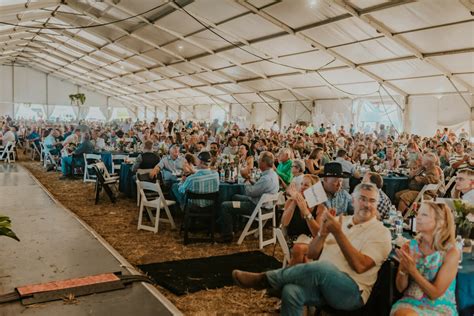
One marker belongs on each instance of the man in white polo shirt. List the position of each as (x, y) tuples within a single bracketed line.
[(349, 251)]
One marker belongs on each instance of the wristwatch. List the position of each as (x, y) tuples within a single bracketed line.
[(308, 216)]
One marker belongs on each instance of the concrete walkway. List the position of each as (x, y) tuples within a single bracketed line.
[(55, 245)]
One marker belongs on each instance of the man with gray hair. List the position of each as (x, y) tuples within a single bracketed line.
[(297, 170), (284, 166), (170, 166), (245, 204), (348, 253), (77, 156)]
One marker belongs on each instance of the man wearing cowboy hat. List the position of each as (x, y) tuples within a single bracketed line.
[(203, 180), (338, 199)]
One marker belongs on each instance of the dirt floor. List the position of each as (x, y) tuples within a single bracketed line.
[(117, 223)]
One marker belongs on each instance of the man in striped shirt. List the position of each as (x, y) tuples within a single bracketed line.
[(203, 180)]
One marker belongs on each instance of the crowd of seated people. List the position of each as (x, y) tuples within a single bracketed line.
[(342, 242)]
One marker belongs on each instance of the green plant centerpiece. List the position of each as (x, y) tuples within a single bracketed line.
[(78, 98), (462, 210), (5, 228)]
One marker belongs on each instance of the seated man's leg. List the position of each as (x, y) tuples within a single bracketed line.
[(66, 165), (78, 162), (241, 198), (407, 199), (397, 196), (228, 210), (180, 197), (322, 283)]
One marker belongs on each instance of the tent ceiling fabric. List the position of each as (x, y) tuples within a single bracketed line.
[(243, 51)]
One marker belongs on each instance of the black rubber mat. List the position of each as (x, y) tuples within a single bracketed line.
[(192, 275)]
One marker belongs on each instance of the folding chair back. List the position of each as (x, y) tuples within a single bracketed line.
[(104, 180), (36, 150), (42, 151), (140, 172), (419, 197), (117, 161), (103, 169), (149, 202), (267, 201), (444, 191), (89, 160), (6, 153), (193, 211), (284, 246)]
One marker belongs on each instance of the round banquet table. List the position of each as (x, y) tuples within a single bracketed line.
[(106, 157), (226, 191), (126, 183), (465, 286), (393, 184)]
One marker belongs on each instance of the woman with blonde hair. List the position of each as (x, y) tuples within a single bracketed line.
[(428, 265), (299, 220)]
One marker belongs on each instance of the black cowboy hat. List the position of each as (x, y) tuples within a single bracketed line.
[(204, 156), (333, 170)]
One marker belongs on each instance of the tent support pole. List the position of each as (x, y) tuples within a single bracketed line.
[(13, 90), (406, 116), (280, 115)]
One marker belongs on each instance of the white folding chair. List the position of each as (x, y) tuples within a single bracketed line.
[(140, 171), (49, 158), (117, 162), (89, 160), (105, 173), (105, 181), (284, 246), (42, 151), (35, 150), (156, 202), (8, 152), (419, 197), (445, 189), (261, 218)]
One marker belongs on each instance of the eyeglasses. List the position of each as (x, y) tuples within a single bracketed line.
[(461, 179), (367, 200)]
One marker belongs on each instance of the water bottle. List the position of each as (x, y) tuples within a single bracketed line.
[(253, 174), (221, 174), (459, 245), (399, 224), (226, 173), (391, 215)]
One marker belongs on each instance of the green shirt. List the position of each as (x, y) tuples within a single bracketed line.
[(284, 171)]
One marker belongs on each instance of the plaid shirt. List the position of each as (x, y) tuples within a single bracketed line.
[(203, 181), (341, 201), (384, 204)]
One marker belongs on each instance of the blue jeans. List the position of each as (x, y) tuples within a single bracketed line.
[(67, 162), (180, 197), (228, 212), (317, 284)]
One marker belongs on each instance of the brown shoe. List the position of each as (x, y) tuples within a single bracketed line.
[(257, 281)]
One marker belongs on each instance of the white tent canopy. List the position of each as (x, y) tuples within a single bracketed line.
[(262, 59)]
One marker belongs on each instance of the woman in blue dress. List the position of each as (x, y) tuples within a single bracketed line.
[(428, 265)]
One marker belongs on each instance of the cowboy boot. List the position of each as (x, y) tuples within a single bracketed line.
[(257, 281)]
